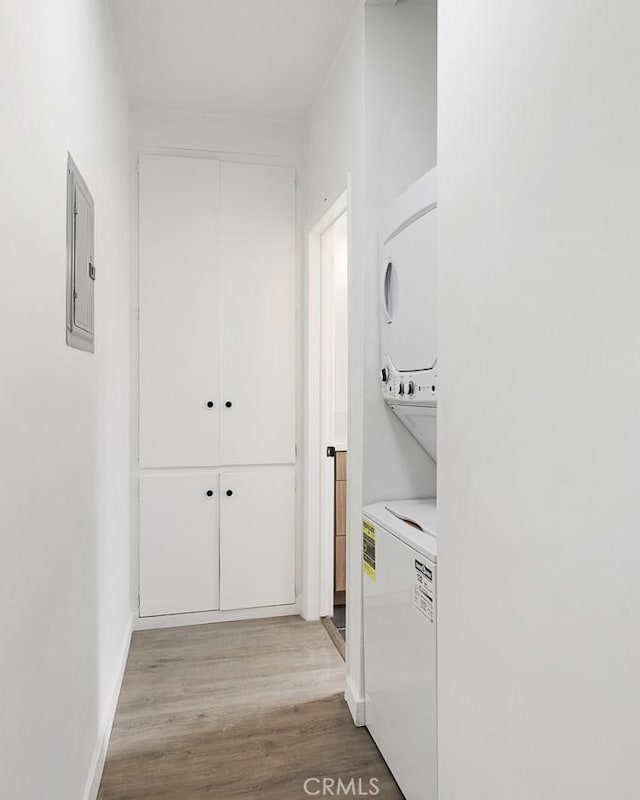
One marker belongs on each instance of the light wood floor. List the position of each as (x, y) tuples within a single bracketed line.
[(235, 711)]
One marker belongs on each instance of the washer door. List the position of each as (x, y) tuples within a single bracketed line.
[(409, 287)]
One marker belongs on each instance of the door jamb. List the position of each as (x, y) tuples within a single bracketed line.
[(318, 552)]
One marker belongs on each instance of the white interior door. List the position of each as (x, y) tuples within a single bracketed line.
[(257, 538), (179, 321), (257, 259), (178, 543)]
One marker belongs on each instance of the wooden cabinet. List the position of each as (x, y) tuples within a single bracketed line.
[(340, 528), (216, 384)]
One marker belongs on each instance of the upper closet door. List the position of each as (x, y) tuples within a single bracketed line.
[(257, 262), (179, 324)]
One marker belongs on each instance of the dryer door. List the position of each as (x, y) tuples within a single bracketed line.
[(409, 286)]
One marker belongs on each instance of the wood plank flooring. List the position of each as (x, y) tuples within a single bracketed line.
[(236, 711)]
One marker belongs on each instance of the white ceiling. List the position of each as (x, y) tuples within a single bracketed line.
[(246, 57)]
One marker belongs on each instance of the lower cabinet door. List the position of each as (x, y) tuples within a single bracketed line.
[(257, 538), (178, 544)]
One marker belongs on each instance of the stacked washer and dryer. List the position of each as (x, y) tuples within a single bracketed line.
[(400, 537)]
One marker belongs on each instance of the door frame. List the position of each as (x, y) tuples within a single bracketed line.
[(318, 551)]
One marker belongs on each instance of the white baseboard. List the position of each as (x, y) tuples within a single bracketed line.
[(355, 702), (104, 734), (207, 617)]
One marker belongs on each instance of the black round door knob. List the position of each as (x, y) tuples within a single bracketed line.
[(229, 492), (209, 403), (228, 404), (209, 493)]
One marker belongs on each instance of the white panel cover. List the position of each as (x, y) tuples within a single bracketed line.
[(83, 305), (179, 325), (257, 538), (422, 422), (257, 254), (178, 543)]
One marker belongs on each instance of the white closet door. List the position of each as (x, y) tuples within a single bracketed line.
[(179, 322), (257, 538), (257, 261), (178, 543)]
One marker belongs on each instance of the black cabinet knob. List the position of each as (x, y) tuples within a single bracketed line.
[(229, 492), (209, 493), (209, 403), (228, 404)]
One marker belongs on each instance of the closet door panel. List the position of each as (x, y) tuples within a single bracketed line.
[(179, 320), (257, 262), (257, 538), (178, 543)]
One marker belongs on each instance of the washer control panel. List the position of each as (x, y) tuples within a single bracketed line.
[(414, 388)]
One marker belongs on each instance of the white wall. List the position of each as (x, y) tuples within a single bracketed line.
[(64, 449), (340, 247), (539, 229), (336, 126), (375, 119), (400, 69), (335, 163), (218, 132)]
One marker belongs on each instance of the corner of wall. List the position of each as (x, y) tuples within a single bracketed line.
[(104, 733), (356, 703)]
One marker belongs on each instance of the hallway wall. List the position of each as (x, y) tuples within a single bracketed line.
[(539, 469), (222, 133), (65, 607), (375, 119), (401, 107), (336, 155)]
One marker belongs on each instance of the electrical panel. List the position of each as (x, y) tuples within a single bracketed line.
[(81, 270)]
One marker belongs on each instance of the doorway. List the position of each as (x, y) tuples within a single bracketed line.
[(328, 428), (335, 333)]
